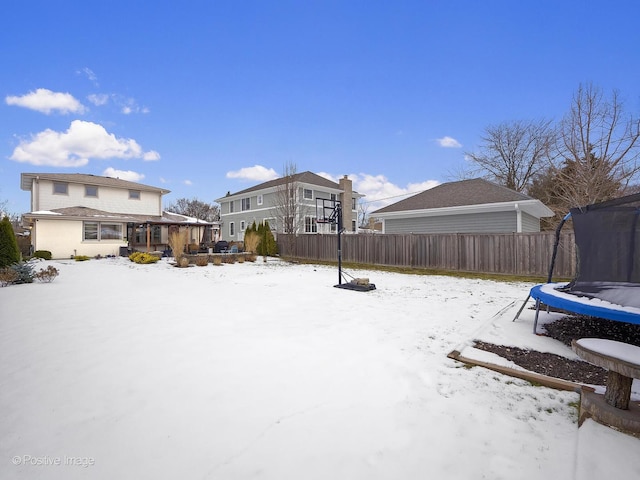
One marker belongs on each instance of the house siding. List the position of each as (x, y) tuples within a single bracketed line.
[(64, 239), (269, 210), (530, 224), (108, 199), (491, 222)]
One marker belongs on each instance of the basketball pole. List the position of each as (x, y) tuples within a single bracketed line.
[(339, 208)]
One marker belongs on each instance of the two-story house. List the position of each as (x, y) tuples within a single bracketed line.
[(78, 214), (265, 202)]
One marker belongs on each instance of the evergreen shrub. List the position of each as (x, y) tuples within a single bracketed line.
[(43, 254), (9, 251), (24, 271)]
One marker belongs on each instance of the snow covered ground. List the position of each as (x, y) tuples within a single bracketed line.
[(264, 370)]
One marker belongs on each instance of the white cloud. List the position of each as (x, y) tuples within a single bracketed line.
[(75, 147), (257, 173), (123, 174), (87, 72), (448, 142), (129, 105), (46, 101), (379, 191), (98, 99), (151, 156), (187, 182)]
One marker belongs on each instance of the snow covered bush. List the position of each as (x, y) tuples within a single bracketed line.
[(24, 271)]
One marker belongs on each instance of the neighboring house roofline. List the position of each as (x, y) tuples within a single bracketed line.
[(532, 207), (26, 181), (463, 193), (303, 179)]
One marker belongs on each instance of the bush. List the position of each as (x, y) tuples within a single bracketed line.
[(43, 254), (217, 260), (81, 258), (24, 271), (7, 276), (251, 239), (47, 275), (202, 261), (229, 258), (9, 251), (143, 258)]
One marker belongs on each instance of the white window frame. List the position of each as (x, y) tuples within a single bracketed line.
[(304, 194), (310, 224), (134, 194), (96, 233), (246, 204), (231, 206), (60, 188), (243, 226), (232, 229), (273, 223), (260, 199), (91, 188)]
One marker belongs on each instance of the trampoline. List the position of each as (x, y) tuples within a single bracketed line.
[(607, 283)]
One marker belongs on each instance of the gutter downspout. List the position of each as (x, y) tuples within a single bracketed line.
[(518, 219)]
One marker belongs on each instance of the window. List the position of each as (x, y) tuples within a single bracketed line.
[(110, 231), (90, 191), (103, 231), (242, 226), (353, 204), (141, 234), (353, 225), (273, 226), (90, 231), (307, 194), (260, 199), (246, 204), (310, 225), (60, 188), (232, 229), (134, 194), (231, 207), (333, 197)]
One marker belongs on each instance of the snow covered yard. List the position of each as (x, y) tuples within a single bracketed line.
[(254, 370)]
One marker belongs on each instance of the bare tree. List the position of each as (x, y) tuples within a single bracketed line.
[(287, 208), (513, 152), (195, 208), (363, 214), (597, 148)]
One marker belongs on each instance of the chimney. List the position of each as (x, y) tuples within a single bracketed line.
[(346, 200)]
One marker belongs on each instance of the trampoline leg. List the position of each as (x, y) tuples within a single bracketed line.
[(535, 321), (521, 308)]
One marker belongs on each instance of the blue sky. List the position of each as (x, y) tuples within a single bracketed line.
[(207, 97)]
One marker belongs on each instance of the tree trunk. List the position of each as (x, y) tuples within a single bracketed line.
[(618, 390)]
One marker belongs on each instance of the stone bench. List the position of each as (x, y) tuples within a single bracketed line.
[(622, 361)]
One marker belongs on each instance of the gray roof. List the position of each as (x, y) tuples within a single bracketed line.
[(476, 191), (87, 179), (85, 213), (304, 177)]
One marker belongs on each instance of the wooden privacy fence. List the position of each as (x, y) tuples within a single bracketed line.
[(526, 254)]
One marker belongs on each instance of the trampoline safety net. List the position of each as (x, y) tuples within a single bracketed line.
[(607, 237)]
